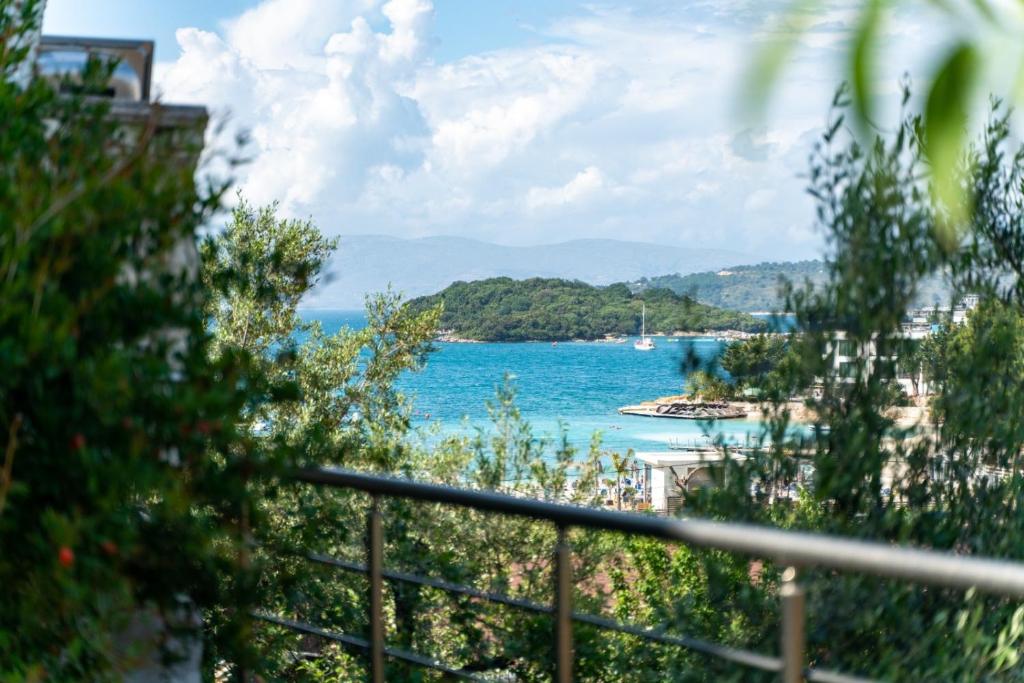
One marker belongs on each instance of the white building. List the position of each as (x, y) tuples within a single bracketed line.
[(919, 325), (669, 473)]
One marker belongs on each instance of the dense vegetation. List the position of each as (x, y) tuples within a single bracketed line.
[(503, 309), (761, 287), (750, 365), (115, 516)]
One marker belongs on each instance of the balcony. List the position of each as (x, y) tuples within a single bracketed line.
[(795, 552)]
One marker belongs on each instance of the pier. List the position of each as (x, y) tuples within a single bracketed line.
[(687, 410)]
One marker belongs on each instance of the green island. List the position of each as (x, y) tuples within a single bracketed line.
[(550, 309)]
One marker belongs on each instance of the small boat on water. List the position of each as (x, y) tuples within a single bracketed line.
[(644, 343)]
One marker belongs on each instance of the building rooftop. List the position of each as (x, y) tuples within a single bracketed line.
[(687, 457)]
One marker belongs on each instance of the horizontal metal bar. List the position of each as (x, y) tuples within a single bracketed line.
[(362, 644), (793, 548), (744, 657), (345, 639), (456, 588)]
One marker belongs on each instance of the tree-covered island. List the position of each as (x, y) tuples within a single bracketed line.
[(549, 309)]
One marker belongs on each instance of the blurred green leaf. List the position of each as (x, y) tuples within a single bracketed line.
[(945, 127), (985, 10), (862, 63)]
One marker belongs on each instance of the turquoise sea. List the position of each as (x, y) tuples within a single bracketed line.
[(580, 384)]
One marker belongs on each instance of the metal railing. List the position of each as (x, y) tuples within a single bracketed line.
[(790, 549)]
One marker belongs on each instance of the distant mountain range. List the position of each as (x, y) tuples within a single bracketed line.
[(416, 267)]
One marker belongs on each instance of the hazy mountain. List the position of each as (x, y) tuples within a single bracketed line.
[(368, 263)]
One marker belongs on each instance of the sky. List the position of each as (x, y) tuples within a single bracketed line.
[(526, 122)]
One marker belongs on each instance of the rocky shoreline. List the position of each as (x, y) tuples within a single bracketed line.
[(449, 337)]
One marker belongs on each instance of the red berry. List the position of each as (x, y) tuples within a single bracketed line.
[(109, 547), (127, 422), (77, 442), (204, 427), (66, 556)]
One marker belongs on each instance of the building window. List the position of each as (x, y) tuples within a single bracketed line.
[(845, 347)]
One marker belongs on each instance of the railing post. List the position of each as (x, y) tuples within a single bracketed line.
[(563, 608), (374, 563), (793, 637)]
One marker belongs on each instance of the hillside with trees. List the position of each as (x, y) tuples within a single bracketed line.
[(539, 309), (741, 288), (760, 287)]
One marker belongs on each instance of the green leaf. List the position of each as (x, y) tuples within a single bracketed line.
[(945, 128), (862, 63)]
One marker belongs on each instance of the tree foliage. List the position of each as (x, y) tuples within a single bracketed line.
[(751, 362), (951, 482), (112, 512)]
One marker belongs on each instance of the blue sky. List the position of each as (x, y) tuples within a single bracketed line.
[(462, 27), (519, 122)]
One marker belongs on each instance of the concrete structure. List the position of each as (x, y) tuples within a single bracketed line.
[(669, 473), (847, 355)]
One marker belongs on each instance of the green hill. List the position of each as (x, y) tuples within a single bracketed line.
[(539, 309), (741, 288), (756, 288)]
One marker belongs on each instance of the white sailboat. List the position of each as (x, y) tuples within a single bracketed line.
[(644, 343)]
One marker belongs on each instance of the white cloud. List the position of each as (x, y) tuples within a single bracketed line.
[(610, 124), (585, 184), (278, 34), (759, 199), (485, 108), (321, 100)]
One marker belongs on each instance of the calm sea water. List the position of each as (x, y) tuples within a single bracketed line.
[(580, 384)]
